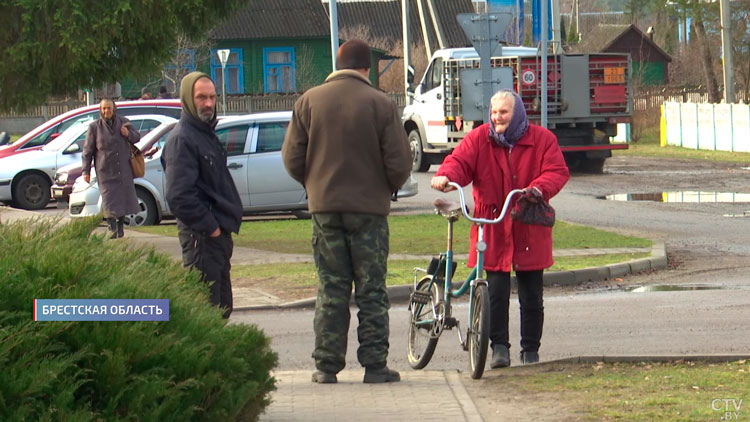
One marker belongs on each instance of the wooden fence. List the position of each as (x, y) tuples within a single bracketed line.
[(646, 100)]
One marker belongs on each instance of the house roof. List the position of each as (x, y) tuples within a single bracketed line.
[(275, 19), (603, 36), (382, 20)]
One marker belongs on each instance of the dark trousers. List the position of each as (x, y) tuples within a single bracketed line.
[(350, 248), (530, 290), (210, 256)]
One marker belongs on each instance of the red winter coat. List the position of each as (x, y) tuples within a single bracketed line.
[(535, 160)]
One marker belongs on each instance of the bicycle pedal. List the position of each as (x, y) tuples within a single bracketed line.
[(450, 322)]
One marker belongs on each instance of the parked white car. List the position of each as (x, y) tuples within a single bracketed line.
[(253, 144), (25, 178)]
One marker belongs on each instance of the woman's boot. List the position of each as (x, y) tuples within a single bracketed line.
[(121, 227), (112, 228)]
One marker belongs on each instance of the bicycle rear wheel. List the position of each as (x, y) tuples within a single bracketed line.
[(479, 330), (424, 335)]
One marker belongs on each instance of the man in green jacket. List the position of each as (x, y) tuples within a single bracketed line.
[(345, 144)]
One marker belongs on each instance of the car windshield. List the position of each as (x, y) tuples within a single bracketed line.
[(70, 134)]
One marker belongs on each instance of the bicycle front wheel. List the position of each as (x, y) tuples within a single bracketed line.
[(426, 322), (479, 330)]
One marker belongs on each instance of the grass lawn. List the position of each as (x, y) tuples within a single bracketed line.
[(400, 272), (634, 392), (422, 234)]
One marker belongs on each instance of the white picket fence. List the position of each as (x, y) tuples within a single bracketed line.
[(716, 127)]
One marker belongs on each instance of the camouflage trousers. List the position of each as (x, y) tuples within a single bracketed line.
[(347, 248)]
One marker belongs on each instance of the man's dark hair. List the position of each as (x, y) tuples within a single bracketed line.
[(353, 54)]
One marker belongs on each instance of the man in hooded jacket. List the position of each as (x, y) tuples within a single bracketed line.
[(200, 190)]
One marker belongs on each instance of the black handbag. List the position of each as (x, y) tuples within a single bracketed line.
[(532, 209)]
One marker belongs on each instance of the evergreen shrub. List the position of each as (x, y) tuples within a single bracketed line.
[(194, 367)]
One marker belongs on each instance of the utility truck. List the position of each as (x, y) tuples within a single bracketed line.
[(587, 96)]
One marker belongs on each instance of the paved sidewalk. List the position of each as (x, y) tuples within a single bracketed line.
[(420, 396)]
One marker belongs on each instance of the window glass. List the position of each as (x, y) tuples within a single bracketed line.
[(234, 72), (271, 136), (148, 125), (233, 139), (279, 69)]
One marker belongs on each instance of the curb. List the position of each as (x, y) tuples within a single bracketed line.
[(657, 261), (645, 358)]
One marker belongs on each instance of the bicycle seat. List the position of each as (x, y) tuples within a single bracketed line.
[(448, 209)]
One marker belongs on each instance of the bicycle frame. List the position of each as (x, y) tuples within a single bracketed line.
[(446, 259)]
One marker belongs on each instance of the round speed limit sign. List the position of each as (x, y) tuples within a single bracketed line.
[(528, 77)]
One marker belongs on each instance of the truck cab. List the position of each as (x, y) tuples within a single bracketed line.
[(588, 94)]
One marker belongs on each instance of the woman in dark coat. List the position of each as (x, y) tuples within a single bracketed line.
[(107, 145)]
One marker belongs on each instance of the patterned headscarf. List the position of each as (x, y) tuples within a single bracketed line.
[(519, 124)]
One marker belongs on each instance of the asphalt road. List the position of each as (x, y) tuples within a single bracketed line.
[(707, 243)]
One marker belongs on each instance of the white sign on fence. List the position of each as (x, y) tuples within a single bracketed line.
[(721, 127), (741, 127), (689, 121), (674, 128)]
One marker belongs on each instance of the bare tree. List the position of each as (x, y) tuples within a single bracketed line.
[(707, 57), (186, 54)]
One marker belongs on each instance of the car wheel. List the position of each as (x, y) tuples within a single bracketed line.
[(31, 192), (419, 161), (148, 214)]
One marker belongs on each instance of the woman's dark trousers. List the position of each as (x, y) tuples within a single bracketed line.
[(530, 290)]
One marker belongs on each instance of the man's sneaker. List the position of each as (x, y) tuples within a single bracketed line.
[(324, 377), (500, 357), (529, 357), (381, 375)]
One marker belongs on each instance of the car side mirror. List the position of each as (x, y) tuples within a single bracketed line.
[(73, 149), (410, 74), (4, 138)]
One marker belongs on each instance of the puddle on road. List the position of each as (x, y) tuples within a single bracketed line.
[(681, 197), (675, 288)]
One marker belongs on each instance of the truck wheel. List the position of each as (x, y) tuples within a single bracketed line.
[(31, 192), (592, 165), (419, 162)]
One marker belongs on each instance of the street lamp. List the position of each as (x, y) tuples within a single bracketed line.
[(223, 57)]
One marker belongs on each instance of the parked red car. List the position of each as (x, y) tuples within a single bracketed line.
[(49, 130)]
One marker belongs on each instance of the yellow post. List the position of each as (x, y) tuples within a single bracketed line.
[(662, 128)]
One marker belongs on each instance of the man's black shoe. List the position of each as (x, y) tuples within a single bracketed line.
[(529, 357), (324, 378), (500, 357), (381, 375)]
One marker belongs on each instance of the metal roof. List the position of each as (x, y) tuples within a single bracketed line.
[(275, 19)]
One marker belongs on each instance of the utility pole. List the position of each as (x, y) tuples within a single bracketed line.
[(223, 58), (405, 33), (727, 49), (334, 18), (544, 72)]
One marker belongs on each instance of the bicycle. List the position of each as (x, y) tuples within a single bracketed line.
[(430, 301)]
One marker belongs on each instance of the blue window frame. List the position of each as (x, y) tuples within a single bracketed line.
[(279, 70), (234, 71)]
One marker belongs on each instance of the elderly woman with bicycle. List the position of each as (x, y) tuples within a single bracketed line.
[(509, 153)]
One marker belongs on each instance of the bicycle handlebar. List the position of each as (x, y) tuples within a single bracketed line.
[(484, 220)]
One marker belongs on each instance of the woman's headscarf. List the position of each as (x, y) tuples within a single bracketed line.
[(519, 124)]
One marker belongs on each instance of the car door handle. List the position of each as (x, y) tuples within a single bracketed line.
[(234, 166)]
